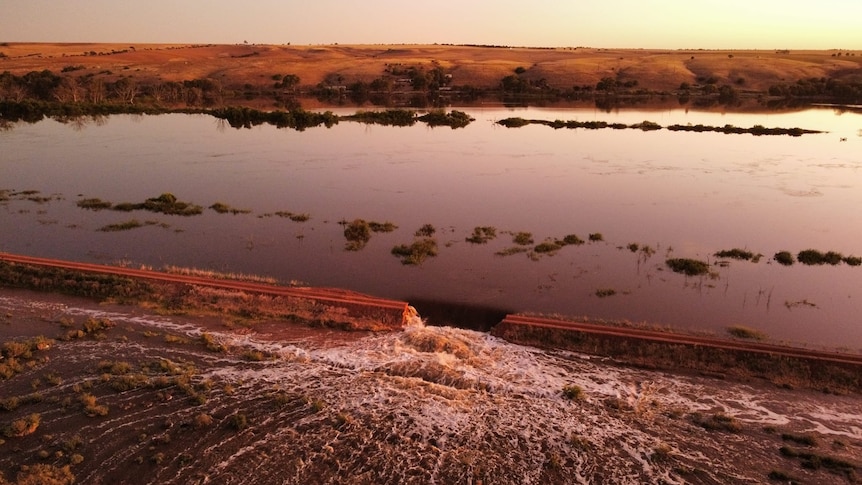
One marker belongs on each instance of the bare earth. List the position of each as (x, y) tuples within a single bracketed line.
[(482, 67)]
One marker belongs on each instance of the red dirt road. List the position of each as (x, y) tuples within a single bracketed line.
[(328, 295), (656, 336)]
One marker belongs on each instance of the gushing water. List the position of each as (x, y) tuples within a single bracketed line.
[(446, 405)]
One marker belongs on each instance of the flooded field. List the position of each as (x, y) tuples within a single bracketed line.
[(635, 199)]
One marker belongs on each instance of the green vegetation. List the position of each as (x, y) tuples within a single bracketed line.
[(303, 217), (814, 257), (94, 204), (547, 247), (757, 130), (417, 252), (717, 422), (572, 240), (512, 251), (357, 233), (735, 253), (482, 234), (688, 267), (805, 439), (453, 119), (22, 427), (743, 332), (427, 230), (784, 258), (523, 238), (573, 392), (166, 203), (223, 208), (814, 461), (91, 407), (126, 226), (382, 226), (238, 421)]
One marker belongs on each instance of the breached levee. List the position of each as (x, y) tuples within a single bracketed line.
[(329, 307), (783, 365)]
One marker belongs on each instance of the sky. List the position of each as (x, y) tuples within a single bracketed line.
[(650, 24)]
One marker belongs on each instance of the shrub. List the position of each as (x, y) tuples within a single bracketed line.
[(735, 253), (203, 420), (571, 240), (357, 233), (596, 236), (23, 427), (482, 234), (382, 226), (784, 258), (91, 408), (605, 292), (688, 267), (417, 252), (93, 204), (547, 247), (523, 238), (427, 230), (573, 392), (815, 257), (717, 422), (238, 421)]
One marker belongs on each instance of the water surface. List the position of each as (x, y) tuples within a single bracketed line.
[(682, 194)]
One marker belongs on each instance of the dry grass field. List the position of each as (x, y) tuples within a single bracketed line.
[(481, 67)]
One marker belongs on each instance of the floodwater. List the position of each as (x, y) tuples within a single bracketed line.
[(426, 405), (685, 195)]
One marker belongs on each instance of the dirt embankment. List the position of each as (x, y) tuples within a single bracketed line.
[(480, 67)]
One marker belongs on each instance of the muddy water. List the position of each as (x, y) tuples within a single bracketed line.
[(426, 405), (681, 194)]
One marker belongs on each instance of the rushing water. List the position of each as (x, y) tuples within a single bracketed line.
[(426, 405), (681, 194)]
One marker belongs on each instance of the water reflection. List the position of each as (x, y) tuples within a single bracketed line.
[(681, 194)]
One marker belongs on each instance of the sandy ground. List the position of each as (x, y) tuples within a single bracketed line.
[(469, 66)]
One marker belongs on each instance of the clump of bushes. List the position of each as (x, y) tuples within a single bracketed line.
[(605, 292), (735, 253), (358, 232), (427, 230), (717, 422), (815, 257), (523, 238), (23, 427), (223, 208), (784, 258), (482, 234), (573, 392), (417, 252), (688, 267)]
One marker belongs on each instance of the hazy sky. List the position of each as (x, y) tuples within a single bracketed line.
[(735, 24)]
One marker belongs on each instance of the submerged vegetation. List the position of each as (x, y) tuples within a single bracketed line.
[(358, 232), (757, 130), (166, 203), (688, 267), (415, 253)]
